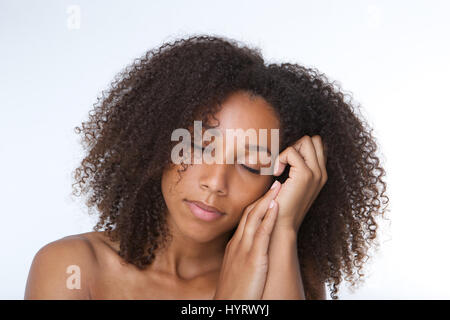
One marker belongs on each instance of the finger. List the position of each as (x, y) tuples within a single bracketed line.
[(238, 233), (305, 147), (321, 156), (262, 236), (289, 156), (240, 229), (256, 215)]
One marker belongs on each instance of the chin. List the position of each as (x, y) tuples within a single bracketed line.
[(198, 232)]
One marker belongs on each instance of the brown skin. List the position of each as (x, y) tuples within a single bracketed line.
[(259, 262), (307, 176)]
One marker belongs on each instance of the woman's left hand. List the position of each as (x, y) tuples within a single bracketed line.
[(307, 176)]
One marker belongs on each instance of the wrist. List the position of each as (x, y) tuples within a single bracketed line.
[(287, 232), (287, 225)]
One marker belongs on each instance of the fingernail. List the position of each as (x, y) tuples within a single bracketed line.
[(272, 203), (275, 169), (274, 185)]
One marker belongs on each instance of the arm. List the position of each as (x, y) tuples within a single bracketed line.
[(54, 274), (284, 280), (307, 175)]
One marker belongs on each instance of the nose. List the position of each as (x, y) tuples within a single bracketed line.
[(214, 178)]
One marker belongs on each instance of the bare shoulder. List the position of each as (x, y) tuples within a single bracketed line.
[(62, 269)]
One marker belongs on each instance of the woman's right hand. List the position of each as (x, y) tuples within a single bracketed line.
[(245, 264)]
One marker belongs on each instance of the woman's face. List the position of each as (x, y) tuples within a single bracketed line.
[(227, 187)]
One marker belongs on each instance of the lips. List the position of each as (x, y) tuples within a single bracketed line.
[(206, 207), (204, 211)]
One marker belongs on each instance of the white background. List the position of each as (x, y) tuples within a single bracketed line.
[(393, 56)]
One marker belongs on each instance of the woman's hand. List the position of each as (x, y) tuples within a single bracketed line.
[(307, 176), (245, 265)]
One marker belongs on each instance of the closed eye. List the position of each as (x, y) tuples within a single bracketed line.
[(255, 171)]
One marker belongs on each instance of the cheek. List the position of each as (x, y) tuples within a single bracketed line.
[(245, 197)]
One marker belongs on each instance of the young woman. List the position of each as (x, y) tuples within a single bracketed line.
[(218, 230)]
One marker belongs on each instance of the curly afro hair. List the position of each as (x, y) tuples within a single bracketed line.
[(127, 143)]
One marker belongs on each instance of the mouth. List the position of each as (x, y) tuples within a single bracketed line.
[(203, 211)]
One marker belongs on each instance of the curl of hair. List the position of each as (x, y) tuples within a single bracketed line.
[(127, 139)]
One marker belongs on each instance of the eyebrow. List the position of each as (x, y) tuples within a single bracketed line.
[(254, 147)]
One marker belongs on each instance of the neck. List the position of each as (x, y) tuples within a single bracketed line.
[(185, 258)]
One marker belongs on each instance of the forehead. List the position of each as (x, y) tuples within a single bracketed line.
[(241, 111)]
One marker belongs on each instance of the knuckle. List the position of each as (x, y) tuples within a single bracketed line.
[(248, 207), (236, 250), (323, 182), (318, 177), (249, 229), (304, 137), (231, 245), (317, 138), (256, 260), (252, 257), (308, 175), (242, 252), (261, 233), (228, 247)]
